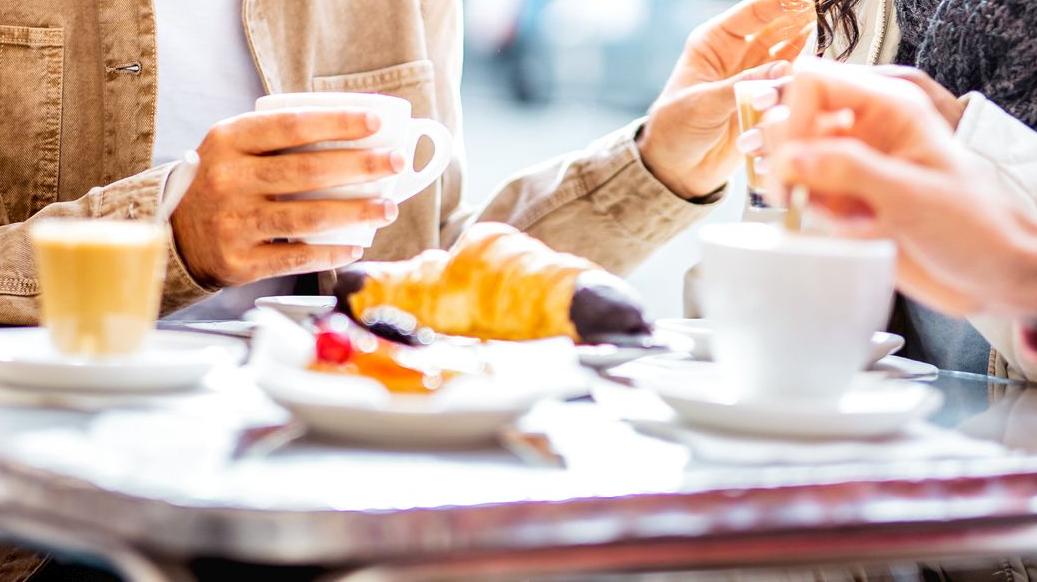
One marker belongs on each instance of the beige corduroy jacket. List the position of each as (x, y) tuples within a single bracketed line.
[(78, 85)]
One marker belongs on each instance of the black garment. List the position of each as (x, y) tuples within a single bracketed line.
[(945, 342), (988, 46)]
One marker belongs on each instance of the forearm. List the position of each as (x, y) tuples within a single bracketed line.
[(130, 199), (1015, 291), (601, 203), (1012, 295)]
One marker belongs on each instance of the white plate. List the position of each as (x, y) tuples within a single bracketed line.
[(363, 411), (882, 344), (169, 360), (299, 308), (874, 406), (468, 410)]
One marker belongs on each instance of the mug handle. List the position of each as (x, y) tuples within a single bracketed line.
[(411, 182)]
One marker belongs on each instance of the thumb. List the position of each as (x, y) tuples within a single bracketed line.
[(766, 71), (714, 102)]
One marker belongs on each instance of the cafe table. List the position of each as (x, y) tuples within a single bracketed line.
[(171, 488)]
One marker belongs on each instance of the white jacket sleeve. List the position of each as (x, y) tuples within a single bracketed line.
[(1005, 143), (1009, 146)]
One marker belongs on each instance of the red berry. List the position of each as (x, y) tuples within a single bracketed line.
[(334, 347)]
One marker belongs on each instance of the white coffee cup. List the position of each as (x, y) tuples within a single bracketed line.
[(399, 131), (794, 314)]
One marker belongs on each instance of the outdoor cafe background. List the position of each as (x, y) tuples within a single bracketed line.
[(531, 93)]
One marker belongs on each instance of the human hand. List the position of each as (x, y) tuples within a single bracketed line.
[(894, 171), (751, 143), (688, 141), (228, 226), (950, 107)]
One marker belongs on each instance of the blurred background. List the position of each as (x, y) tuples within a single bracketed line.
[(545, 77)]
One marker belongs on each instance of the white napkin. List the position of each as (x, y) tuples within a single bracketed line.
[(919, 441)]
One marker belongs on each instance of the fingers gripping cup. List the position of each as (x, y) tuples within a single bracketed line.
[(101, 283), (398, 131)]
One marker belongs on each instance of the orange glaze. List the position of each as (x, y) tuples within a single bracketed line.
[(379, 362)]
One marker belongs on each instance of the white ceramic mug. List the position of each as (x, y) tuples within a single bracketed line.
[(794, 314), (399, 131)]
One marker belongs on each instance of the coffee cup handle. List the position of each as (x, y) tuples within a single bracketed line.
[(411, 182)]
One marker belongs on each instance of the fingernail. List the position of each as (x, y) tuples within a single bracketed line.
[(390, 211), (357, 253), (777, 114), (760, 166), (750, 142), (803, 161), (397, 161), (844, 119), (373, 121), (779, 69), (765, 99)]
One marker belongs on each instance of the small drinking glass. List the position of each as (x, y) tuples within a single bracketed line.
[(748, 118), (800, 15), (101, 283)]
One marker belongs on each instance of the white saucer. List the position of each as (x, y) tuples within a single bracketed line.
[(169, 360), (701, 330), (874, 407), (905, 369), (299, 308), (360, 410)]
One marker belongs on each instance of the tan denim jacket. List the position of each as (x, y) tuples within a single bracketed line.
[(78, 82)]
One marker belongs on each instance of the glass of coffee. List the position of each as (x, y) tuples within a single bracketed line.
[(748, 118), (800, 15), (100, 282)]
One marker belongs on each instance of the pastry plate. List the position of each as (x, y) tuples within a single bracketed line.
[(467, 410), (169, 360), (360, 410)]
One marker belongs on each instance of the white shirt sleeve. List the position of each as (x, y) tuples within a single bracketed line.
[(1005, 143), (1009, 147)]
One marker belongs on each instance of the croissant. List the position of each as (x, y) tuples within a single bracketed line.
[(497, 283)]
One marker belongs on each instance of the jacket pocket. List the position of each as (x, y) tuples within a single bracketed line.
[(31, 70), (412, 81)]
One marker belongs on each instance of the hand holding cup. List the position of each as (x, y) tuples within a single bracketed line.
[(231, 230)]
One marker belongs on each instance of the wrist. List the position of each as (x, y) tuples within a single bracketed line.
[(1010, 285), (660, 167), (182, 252)]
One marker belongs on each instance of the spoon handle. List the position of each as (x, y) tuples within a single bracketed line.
[(798, 201)]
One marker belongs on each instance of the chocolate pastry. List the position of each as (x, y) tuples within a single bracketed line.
[(497, 283)]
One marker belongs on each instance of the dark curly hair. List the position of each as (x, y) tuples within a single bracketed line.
[(837, 18)]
